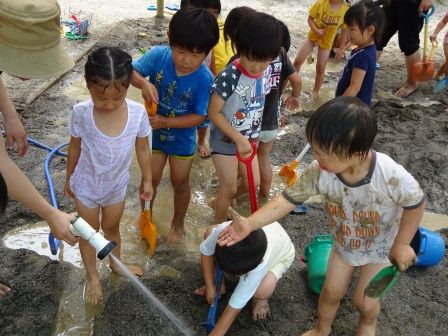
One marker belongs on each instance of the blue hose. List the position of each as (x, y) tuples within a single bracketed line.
[(54, 243)]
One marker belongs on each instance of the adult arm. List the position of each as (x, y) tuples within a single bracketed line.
[(22, 190), (15, 132), (241, 227)]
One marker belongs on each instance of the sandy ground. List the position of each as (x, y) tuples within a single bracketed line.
[(413, 131)]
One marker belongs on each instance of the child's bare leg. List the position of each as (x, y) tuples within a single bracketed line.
[(260, 305), (203, 148), (368, 308), (321, 63), (93, 292), (226, 167), (339, 275), (180, 180), (304, 50), (4, 290), (110, 223), (244, 187), (263, 152)]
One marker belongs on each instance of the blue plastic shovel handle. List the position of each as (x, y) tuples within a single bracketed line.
[(213, 310)]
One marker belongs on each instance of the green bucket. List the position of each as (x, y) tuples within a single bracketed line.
[(317, 253)]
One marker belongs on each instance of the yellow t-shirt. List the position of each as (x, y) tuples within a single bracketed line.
[(223, 50), (326, 18)]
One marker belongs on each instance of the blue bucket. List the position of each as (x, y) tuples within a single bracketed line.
[(429, 247)]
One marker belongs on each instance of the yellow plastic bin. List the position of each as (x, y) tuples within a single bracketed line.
[(317, 253)]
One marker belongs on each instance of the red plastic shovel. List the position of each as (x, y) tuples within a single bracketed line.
[(250, 176)]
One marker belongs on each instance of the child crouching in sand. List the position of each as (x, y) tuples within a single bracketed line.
[(257, 262), (374, 207)]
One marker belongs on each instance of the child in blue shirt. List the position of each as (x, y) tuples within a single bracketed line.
[(365, 21), (180, 84)]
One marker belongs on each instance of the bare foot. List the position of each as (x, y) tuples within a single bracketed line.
[(406, 90), (260, 309), (203, 150), (212, 203), (316, 332), (174, 235), (366, 327), (134, 269), (93, 292), (4, 290), (200, 291)]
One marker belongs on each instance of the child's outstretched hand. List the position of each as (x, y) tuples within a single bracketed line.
[(148, 191), (235, 232), (292, 103), (403, 256)]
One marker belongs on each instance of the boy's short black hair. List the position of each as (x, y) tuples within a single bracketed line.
[(343, 126), (207, 4), (244, 256), (258, 37), (194, 29)]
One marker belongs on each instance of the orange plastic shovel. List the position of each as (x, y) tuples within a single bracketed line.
[(425, 69), (288, 172), (151, 108), (148, 230)]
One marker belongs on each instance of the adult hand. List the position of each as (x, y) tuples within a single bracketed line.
[(59, 223), (425, 5), (235, 232), (403, 256), (16, 134)]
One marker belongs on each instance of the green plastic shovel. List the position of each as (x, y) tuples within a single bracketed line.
[(382, 282)]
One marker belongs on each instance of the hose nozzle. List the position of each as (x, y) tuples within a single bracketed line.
[(79, 227)]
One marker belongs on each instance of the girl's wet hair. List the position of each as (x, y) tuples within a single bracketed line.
[(259, 37), (3, 194), (244, 256), (343, 126), (194, 29), (364, 14), (109, 66)]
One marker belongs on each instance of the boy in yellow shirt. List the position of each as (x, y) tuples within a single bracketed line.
[(325, 18)]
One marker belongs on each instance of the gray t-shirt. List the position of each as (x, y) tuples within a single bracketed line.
[(244, 97)]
